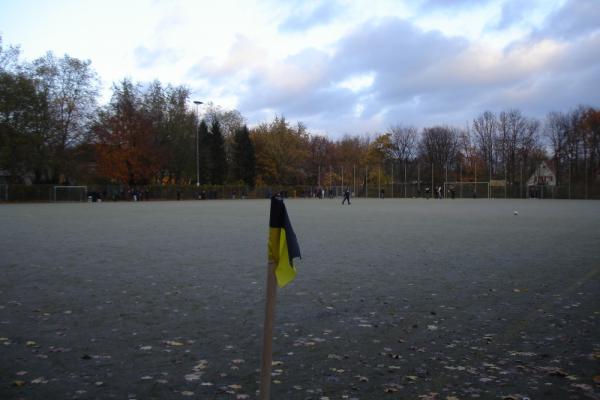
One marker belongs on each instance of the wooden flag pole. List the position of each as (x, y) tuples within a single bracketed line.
[(267, 353)]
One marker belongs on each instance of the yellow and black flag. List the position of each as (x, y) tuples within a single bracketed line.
[(283, 246)]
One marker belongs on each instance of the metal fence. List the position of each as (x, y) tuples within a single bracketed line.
[(47, 193)]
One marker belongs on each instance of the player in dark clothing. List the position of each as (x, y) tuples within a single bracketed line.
[(346, 196)]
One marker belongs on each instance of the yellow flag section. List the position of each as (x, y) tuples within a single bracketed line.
[(278, 253), (283, 245)]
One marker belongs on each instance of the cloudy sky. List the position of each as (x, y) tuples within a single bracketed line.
[(338, 66)]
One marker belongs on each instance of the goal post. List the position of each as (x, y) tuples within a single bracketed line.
[(69, 193), (467, 190)]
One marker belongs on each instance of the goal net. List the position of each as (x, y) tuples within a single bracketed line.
[(69, 193), (467, 190), (3, 192)]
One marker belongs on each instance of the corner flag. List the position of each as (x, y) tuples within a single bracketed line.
[(283, 245)]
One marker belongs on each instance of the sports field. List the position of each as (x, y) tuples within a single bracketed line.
[(399, 299)]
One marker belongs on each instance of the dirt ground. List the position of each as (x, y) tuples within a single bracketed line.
[(399, 299)]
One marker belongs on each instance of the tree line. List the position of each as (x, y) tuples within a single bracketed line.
[(52, 130)]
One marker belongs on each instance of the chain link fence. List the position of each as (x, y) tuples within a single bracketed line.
[(51, 193)]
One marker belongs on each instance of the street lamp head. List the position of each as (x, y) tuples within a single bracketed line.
[(198, 102)]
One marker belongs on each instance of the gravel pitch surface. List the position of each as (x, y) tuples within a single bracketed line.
[(409, 299)]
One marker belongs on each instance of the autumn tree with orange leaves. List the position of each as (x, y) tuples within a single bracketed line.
[(127, 148)]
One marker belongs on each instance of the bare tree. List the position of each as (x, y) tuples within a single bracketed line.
[(556, 131), (404, 140), (9, 58), (486, 127), (516, 137), (439, 145), (70, 87)]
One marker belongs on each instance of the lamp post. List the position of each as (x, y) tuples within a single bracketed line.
[(197, 103)]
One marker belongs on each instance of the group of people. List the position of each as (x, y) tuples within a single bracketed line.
[(438, 192), (320, 194)]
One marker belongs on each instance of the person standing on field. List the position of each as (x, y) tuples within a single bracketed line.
[(346, 196)]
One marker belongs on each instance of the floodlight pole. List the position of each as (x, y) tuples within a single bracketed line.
[(197, 103), (354, 179)]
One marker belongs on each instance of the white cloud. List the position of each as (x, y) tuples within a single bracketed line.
[(341, 67), (358, 83)]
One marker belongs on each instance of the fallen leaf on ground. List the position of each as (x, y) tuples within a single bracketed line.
[(193, 377)]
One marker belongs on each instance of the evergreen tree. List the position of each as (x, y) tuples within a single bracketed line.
[(218, 156), (204, 153), (243, 157)]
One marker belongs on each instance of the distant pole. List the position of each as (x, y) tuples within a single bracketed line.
[(490, 183), (521, 180), (446, 174), (445, 180), (490, 180), (432, 189), (405, 183), (392, 179), (366, 181), (460, 180), (354, 178), (342, 178), (419, 178), (504, 179), (569, 177), (319, 177), (197, 103), (267, 353), (379, 181), (585, 178)]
